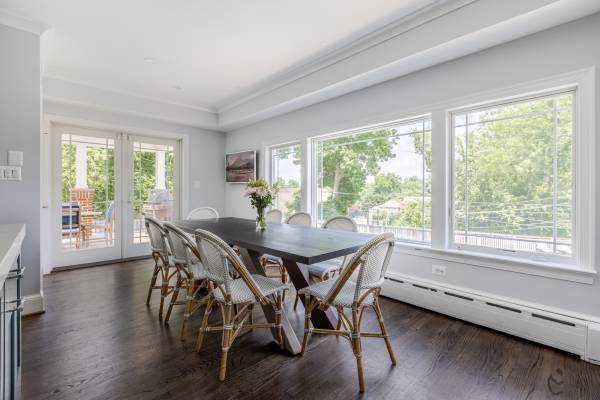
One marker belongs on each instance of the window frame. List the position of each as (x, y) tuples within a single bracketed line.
[(582, 266), (533, 256), (314, 179), (269, 167), (583, 270)]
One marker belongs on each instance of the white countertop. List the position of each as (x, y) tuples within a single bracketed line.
[(11, 239)]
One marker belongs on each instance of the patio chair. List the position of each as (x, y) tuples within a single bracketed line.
[(105, 226), (71, 221)]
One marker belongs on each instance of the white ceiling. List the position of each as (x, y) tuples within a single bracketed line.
[(216, 51)]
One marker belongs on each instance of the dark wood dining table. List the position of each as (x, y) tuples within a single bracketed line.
[(298, 246)]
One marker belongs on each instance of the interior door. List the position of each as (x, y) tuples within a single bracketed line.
[(86, 195), (152, 186)]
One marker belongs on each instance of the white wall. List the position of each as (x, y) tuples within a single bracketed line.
[(20, 130), (563, 49)]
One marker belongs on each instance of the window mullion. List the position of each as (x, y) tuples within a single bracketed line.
[(555, 175)]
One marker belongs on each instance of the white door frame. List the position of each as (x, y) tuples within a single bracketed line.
[(49, 260)]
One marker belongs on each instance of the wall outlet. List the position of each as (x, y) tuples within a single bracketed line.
[(438, 270)]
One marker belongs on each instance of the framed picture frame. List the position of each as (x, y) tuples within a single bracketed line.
[(240, 167)]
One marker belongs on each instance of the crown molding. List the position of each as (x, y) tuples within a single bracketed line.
[(426, 40), (422, 16), (18, 22), (92, 97), (127, 93)]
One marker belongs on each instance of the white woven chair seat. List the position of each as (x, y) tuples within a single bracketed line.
[(345, 297), (241, 293), (326, 267)]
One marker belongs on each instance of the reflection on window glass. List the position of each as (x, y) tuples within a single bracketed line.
[(87, 191), (286, 173), (152, 185), (381, 178), (513, 176)]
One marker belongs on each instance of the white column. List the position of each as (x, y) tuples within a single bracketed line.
[(161, 170), (81, 166)]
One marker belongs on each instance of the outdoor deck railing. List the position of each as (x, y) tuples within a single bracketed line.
[(498, 241)]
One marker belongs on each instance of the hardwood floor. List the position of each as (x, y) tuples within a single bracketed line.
[(98, 340)]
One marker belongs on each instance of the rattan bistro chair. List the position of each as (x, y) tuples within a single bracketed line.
[(327, 269), (220, 261), (160, 254), (274, 215), (203, 213), (299, 218), (191, 274), (372, 261)]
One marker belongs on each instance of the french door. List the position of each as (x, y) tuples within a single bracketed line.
[(103, 184), (152, 188)]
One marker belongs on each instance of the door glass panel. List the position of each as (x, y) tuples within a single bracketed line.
[(152, 185), (87, 192)]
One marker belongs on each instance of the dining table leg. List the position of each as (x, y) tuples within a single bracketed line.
[(300, 278), (291, 342)]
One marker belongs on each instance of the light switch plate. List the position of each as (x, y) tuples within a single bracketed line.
[(10, 173)]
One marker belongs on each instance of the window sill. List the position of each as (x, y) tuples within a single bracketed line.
[(566, 272)]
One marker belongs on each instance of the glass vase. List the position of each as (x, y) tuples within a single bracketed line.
[(261, 222)]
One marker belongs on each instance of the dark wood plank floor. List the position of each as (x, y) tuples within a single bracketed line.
[(98, 340)]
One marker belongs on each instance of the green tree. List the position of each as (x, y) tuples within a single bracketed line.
[(346, 164), (509, 165)]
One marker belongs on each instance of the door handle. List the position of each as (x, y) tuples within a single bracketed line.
[(15, 273), (17, 305)]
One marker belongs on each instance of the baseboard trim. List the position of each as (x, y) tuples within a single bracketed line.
[(33, 304), (565, 331), (99, 263)]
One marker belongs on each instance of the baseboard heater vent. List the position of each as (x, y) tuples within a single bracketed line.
[(503, 307), (564, 332), (558, 321), (458, 296)]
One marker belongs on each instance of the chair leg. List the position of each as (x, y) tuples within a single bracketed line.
[(152, 282), (278, 319), (189, 303), (386, 337), (296, 300), (340, 310), (251, 315), (307, 315), (225, 341), (173, 299), (202, 330), (164, 287), (356, 347), (283, 280)]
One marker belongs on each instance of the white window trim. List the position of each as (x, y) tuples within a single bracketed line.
[(303, 170), (535, 257), (582, 82), (312, 143), (584, 147)]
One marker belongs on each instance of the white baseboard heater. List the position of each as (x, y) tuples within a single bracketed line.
[(569, 333)]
